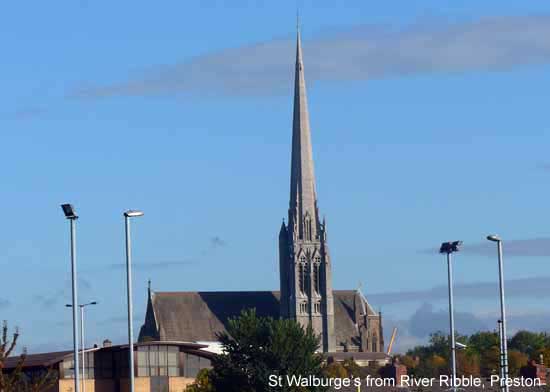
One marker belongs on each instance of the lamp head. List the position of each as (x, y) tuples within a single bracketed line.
[(494, 238), (133, 213), (69, 211), (450, 247)]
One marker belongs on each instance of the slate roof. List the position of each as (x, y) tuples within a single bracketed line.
[(51, 358), (198, 316), (37, 360)]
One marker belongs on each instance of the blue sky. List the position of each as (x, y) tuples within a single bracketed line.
[(429, 123)]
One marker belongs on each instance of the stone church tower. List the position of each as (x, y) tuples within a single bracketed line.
[(304, 261)]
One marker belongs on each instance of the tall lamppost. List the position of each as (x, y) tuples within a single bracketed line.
[(503, 342), (127, 215), (70, 214), (448, 248), (501, 351), (82, 340)]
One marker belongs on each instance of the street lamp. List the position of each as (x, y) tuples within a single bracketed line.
[(70, 214), (82, 341), (448, 248), (503, 342), (501, 353), (127, 215)]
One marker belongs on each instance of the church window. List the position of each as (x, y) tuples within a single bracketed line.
[(302, 275), (317, 307), (316, 278), (303, 307)]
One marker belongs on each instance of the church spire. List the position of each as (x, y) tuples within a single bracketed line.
[(303, 219), (304, 260)]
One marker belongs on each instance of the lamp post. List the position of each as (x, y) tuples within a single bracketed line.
[(501, 351), (448, 248), (70, 214), (127, 215), (82, 341), (503, 342)]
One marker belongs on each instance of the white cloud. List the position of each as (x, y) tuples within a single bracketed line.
[(361, 53)]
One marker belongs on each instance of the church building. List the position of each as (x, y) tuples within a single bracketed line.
[(343, 319)]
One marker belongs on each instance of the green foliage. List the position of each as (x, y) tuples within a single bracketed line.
[(256, 348), (468, 363), (529, 342), (335, 370), (516, 360), (352, 368), (481, 358), (202, 383)]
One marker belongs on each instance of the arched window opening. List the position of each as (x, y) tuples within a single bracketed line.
[(302, 275), (316, 278)]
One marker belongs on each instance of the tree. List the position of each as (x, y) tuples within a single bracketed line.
[(490, 361), (516, 360), (335, 370), (545, 352), (202, 383), (528, 342), (16, 380), (432, 366), (483, 341), (409, 362), (256, 348), (352, 368), (468, 363)]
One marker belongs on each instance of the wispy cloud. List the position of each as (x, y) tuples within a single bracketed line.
[(533, 247), (28, 113), (426, 319), (138, 318), (56, 297), (515, 288), (543, 166), (217, 242), (360, 53)]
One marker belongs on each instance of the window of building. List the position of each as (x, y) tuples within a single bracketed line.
[(193, 364), (121, 363), (316, 277), (161, 360), (302, 275), (104, 364), (89, 369), (68, 366)]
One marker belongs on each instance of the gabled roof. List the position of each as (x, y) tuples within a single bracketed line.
[(199, 316)]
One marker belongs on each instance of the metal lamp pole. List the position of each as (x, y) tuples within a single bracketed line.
[(82, 341), (504, 344), (448, 248), (501, 353), (70, 214), (127, 215)]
